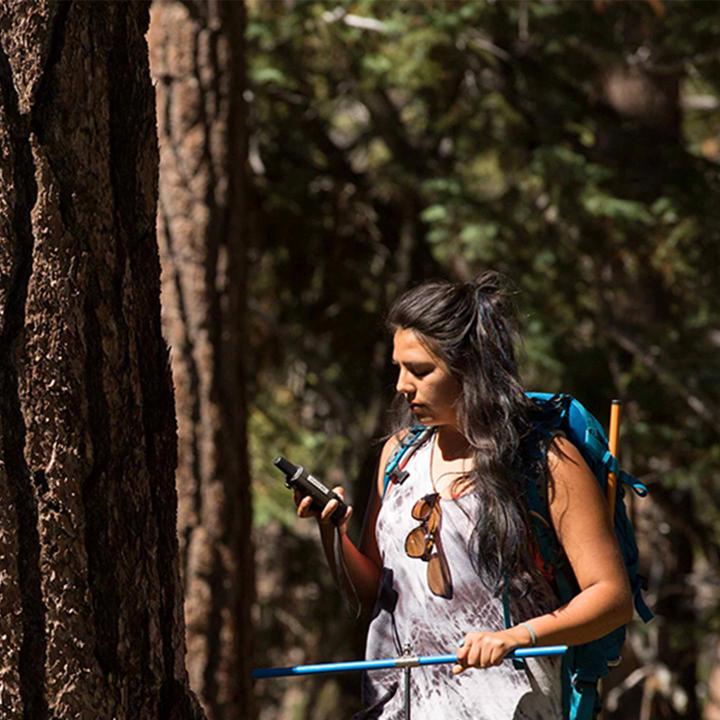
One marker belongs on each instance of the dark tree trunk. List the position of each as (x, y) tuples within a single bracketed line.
[(712, 705), (90, 595), (652, 139), (197, 62)]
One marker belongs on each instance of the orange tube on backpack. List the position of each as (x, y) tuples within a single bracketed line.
[(613, 438)]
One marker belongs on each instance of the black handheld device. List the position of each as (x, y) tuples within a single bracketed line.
[(298, 479)]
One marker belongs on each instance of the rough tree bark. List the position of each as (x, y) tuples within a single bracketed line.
[(90, 596), (197, 62)]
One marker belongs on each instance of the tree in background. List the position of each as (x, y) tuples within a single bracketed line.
[(90, 595), (197, 60), (573, 146)]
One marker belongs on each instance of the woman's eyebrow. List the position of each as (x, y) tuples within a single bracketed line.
[(416, 364)]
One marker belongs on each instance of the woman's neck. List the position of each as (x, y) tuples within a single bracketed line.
[(452, 444)]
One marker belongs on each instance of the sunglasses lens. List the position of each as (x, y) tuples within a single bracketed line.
[(415, 543), (421, 510), (424, 506), (438, 580)]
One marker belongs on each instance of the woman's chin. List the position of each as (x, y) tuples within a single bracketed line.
[(422, 416)]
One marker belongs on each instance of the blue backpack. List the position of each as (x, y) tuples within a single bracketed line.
[(583, 665)]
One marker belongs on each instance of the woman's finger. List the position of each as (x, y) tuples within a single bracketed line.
[(485, 655), (497, 655), (303, 508), (473, 656), (329, 509), (461, 655)]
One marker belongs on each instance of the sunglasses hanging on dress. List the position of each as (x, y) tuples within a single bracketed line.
[(421, 543)]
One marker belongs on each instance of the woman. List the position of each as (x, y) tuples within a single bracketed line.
[(439, 550)]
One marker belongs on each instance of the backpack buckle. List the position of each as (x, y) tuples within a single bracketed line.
[(399, 476)]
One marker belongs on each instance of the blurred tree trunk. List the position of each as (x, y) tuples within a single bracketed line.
[(712, 706), (652, 102), (197, 62), (90, 594)]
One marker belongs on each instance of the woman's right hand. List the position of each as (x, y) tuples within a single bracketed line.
[(304, 509)]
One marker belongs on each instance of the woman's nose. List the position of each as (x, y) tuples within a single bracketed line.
[(403, 384)]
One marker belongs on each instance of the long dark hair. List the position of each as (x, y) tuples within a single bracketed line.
[(472, 327)]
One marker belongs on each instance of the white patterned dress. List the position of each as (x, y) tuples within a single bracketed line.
[(407, 613)]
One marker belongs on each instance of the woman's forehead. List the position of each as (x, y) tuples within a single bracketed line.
[(409, 347)]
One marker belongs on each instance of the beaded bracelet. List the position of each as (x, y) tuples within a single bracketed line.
[(533, 634)]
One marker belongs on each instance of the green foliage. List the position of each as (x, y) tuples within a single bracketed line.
[(271, 433), (574, 146)]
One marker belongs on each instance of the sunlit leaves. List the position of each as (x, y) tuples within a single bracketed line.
[(484, 134)]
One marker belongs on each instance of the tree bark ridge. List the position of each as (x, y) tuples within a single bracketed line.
[(87, 413), (197, 61)]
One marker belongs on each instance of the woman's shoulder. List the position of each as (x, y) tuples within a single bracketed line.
[(408, 435), (571, 482), (390, 446), (562, 453)]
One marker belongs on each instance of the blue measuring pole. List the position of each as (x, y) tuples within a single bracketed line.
[(389, 663)]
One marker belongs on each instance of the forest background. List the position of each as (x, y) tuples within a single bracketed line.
[(572, 146), (316, 159)]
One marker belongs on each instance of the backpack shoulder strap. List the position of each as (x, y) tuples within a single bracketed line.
[(394, 471), (583, 665)]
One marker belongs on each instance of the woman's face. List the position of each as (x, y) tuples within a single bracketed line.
[(425, 381)]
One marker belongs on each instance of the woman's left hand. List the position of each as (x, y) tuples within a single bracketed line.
[(485, 649)]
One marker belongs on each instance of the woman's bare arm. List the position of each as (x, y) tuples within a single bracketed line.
[(581, 519), (582, 522)]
